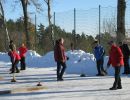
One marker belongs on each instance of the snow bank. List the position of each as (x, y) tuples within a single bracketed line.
[(4, 57), (35, 60), (79, 61)]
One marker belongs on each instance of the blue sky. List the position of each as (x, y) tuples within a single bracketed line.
[(58, 6), (63, 6)]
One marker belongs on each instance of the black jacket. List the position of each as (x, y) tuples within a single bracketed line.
[(125, 50)]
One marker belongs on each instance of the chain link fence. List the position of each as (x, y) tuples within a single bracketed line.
[(87, 21)]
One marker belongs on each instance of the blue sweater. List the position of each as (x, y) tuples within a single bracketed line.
[(99, 52)]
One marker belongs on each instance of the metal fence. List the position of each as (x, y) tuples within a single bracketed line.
[(92, 21)]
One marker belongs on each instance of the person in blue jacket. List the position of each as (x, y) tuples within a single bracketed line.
[(99, 55)]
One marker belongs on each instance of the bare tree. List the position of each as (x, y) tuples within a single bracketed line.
[(110, 26), (3, 23), (25, 4), (121, 7), (48, 2)]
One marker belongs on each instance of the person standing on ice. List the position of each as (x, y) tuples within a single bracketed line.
[(16, 61), (11, 48), (126, 52), (60, 58), (99, 55), (22, 50), (116, 60)]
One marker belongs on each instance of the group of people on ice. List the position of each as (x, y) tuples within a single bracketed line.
[(118, 57), (16, 57)]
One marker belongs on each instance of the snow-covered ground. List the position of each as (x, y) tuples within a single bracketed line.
[(73, 87)]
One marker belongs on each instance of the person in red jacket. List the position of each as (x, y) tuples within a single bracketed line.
[(22, 51), (16, 61), (60, 58), (116, 60)]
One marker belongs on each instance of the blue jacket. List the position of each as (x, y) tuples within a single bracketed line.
[(99, 52)]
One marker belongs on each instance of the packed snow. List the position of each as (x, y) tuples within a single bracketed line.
[(43, 68), (79, 61)]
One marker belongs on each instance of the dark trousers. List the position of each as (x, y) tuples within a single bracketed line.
[(14, 67), (23, 64), (12, 61), (100, 66), (126, 65), (60, 69), (117, 82)]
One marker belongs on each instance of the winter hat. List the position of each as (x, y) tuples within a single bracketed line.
[(111, 42)]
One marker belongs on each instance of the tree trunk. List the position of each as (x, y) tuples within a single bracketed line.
[(50, 23), (121, 20), (49, 12), (51, 34), (24, 5), (3, 23)]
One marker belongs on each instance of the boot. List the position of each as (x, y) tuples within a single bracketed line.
[(119, 85), (113, 88)]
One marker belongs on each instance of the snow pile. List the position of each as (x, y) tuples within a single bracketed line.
[(4, 57), (79, 61), (32, 54), (40, 61)]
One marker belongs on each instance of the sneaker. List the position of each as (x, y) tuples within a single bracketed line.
[(11, 72), (22, 69), (17, 71), (10, 69), (60, 79), (82, 75)]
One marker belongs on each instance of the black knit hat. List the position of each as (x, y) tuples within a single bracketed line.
[(11, 41)]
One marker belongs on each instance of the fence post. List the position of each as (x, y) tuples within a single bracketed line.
[(54, 19), (99, 24), (53, 30), (75, 41), (35, 31)]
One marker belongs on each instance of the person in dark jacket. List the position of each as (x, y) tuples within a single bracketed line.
[(22, 50), (116, 60), (72, 46), (126, 52), (99, 55), (11, 48), (60, 58)]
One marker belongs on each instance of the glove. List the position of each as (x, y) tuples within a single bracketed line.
[(67, 58)]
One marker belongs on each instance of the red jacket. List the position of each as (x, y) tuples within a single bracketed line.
[(16, 55), (22, 51), (115, 56), (59, 52)]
